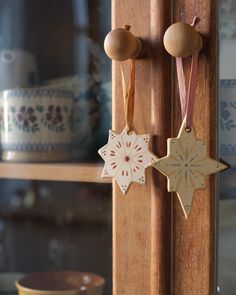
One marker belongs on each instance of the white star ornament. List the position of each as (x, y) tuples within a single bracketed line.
[(126, 157)]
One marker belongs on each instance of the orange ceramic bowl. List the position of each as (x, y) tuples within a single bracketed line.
[(61, 283)]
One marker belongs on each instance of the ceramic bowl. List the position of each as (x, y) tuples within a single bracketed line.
[(36, 124), (61, 283), (91, 114)]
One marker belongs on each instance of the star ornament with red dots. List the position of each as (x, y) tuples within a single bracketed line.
[(126, 157), (186, 166)]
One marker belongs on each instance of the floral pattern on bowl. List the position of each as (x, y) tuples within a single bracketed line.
[(227, 117), (36, 120)]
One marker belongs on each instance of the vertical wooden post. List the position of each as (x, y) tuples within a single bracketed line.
[(141, 220), (194, 239)]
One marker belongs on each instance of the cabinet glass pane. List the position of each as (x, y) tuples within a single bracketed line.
[(55, 113), (227, 148), (55, 226)]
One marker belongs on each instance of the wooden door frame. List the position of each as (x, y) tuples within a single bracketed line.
[(155, 250)]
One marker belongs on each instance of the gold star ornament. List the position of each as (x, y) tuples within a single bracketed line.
[(186, 166)]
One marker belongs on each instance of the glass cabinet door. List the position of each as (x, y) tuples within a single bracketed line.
[(227, 147), (55, 113)]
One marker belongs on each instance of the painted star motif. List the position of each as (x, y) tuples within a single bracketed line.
[(126, 157), (186, 166)]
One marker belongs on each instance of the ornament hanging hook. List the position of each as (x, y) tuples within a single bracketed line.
[(120, 44)]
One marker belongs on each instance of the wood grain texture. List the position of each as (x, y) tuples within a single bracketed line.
[(53, 172), (194, 239), (141, 219)]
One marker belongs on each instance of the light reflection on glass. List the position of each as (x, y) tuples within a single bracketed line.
[(227, 147), (56, 225)]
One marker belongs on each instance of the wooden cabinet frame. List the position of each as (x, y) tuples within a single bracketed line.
[(155, 250)]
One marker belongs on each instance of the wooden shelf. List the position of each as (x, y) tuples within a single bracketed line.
[(53, 172)]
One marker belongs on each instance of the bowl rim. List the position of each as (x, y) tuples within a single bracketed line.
[(30, 90), (19, 286)]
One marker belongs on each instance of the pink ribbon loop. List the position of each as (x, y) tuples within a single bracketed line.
[(187, 96)]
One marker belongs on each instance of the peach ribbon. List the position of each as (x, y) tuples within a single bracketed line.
[(129, 95)]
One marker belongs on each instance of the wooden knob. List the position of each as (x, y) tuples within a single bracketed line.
[(181, 40), (120, 44)]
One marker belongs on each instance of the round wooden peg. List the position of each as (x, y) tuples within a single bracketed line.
[(120, 44), (181, 40)]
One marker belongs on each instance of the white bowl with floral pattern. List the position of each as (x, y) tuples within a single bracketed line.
[(36, 124)]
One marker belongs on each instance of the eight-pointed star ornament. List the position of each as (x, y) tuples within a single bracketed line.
[(186, 166), (126, 157)]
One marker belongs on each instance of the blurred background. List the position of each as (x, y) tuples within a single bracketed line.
[(59, 225), (227, 147)]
